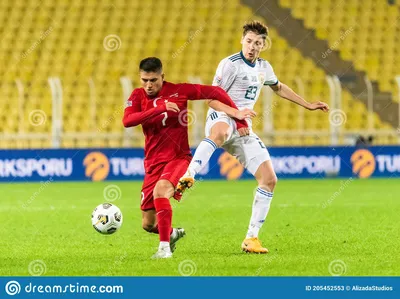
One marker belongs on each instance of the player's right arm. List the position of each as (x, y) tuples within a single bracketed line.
[(133, 114)]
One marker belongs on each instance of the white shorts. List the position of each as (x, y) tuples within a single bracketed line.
[(249, 150)]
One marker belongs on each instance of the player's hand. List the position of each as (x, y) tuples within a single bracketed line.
[(245, 113), (318, 106), (172, 107), (243, 131)]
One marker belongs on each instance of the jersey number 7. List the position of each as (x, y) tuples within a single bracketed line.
[(165, 118)]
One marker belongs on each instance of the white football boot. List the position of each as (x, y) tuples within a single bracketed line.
[(177, 234)]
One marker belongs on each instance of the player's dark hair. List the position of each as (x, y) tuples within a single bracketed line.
[(151, 64), (256, 27)]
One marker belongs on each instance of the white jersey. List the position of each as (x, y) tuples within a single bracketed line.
[(243, 80)]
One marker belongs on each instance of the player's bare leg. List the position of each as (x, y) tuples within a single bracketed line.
[(266, 178), (149, 221), (218, 135), (168, 236)]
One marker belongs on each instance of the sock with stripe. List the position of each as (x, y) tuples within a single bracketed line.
[(261, 205), (154, 230), (202, 155), (164, 218)]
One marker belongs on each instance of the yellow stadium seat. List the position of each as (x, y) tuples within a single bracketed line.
[(379, 39), (67, 39)]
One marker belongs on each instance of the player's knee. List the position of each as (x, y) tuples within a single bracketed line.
[(163, 189), (268, 182), (219, 137), (271, 182)]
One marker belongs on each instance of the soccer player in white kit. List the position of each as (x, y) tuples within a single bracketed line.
[(242, 76)]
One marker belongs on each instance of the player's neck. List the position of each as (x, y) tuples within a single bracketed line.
[(249, 61), (252, 61), (153, 96)]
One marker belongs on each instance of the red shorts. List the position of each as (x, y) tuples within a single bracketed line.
[(171, 171)]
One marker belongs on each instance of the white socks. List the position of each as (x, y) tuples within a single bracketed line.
[(261, 204), (202, 155), (164, 246)]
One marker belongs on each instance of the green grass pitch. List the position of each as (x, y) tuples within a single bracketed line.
[(315, 227)]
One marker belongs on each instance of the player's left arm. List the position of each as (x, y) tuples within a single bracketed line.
[(287, 93)]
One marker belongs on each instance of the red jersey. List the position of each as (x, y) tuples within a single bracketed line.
[(166, 132)]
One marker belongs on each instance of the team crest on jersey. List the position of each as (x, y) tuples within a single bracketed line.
[(261, 77), (254, 78), (128, 103), (218, 79)]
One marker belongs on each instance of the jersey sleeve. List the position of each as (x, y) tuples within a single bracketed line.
[(203, 92), (225, 74), (271, 78), (192, 91), (133, 103), (133, 114), (198, 92)]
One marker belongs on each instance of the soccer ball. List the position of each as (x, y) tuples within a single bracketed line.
[(107, 218)]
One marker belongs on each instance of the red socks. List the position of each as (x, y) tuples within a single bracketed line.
[(154, 230), (164, 218)]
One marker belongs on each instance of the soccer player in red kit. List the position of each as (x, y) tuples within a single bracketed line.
[(161, 108)]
